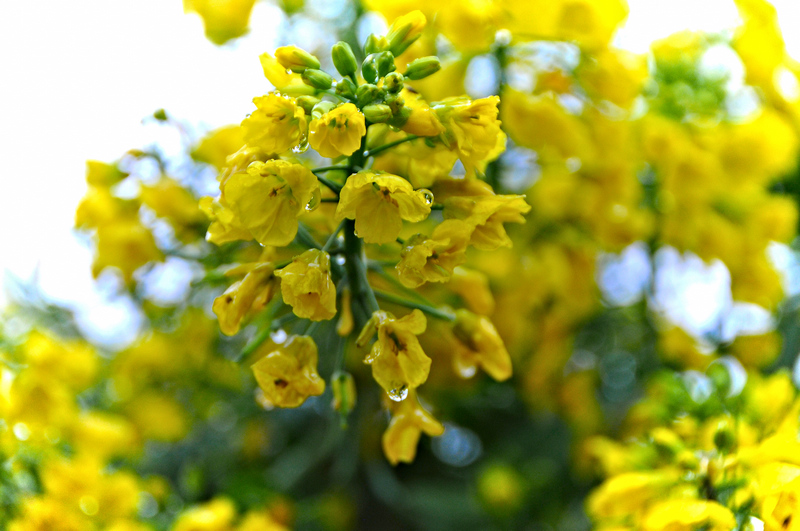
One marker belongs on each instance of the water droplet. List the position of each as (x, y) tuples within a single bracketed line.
[(340, 260), (21, 431), (398, 394), (427, 195), (313, 203), (355, 231), (302, 147)]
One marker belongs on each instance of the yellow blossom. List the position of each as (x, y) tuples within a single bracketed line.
[(473, 286), (218, 145), (268, 198), (295, 59), (688, 515), (286, 82), (223, 19), (171, 201), (278, 124), (479, 344), (126, 245), (432, 259), (100, 207), (158, 416), (408, 422), (423, 120), (629, 493), (397, 360), (307, 287), (103, 174), (338, 132), (379, 202), (487, 213), (245, 297), (225, 227), (415, 160), (215, 515), (288, 374), (472, 128)]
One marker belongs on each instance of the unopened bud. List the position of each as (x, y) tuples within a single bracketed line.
[(367, 94), (317, 78), (295, 59), (307, 103), (344, 59), (344, 392), (395, 102), (393, 82), (346, 88), (384, 61), (423, 67), (369, 70), (377, 113), (404, 31), (321, 108), (375, 44), (400, 118)]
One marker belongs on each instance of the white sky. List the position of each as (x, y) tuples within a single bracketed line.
[(79, 75)]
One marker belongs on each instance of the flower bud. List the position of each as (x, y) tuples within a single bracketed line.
[(404, 31), (346, 88), (384, 62), (369, 70), (322, 108), (377, 113), (317, 78), (367, 94), (344, 392), (393, 82), (295, 59), (375, 44), (400, 118), (307, 103), (395, 102), (423, 67), (344, 59)]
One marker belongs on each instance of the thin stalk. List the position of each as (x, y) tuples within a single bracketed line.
[(430, 310), (380, 149)]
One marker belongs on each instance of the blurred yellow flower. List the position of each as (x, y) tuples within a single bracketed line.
[(432, 259), (487, 213), (479, 344), (408, 422), (288, 374), (223, 19), (245, 297)]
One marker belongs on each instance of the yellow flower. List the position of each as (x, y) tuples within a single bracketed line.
[(158, 416), (472, 128), (487, 213), (432, 259), (423, 120), (628, 494), (418, 162), (286, 82), (218, 145), (307, 287), (126, 245), (479, 344), (223, 19), (408, 422), (215, 515), (269, 197), (278, 124), (379, 202), (295, 59), (103, 174), (688, 515), (404, 31), (338, 132), (288, 374), (473, 287), (245, 297), (397, 360), (224, 226), (173, 202)]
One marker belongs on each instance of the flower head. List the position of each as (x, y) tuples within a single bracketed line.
[(278, 124), (432, 259), (307, 287), (288, 374), (488, 213), (397, 360), (244, 297), (379, 202), (408, 422), (479, 344), (472, 128), (338, 132), (268, 198)]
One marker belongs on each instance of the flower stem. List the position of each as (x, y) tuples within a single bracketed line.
[(324, 169), (439, 313), (380, 149)]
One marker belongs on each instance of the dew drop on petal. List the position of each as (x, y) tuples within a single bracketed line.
[(427, 195), (313, 203), (398, 394), (302, 147)]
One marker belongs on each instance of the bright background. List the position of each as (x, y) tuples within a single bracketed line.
[(80, 76)]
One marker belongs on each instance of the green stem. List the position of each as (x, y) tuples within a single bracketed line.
[(430, 310), (363, 296), (332, 237), (435, 206), (335, 188), (324, 169), (378, 269), (380, 149), (329, 200), (305, 238), (334, 94)]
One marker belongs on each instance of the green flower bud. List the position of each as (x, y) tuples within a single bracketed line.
[(295, 59), (367, 94), (393, 82), (423, 67), (321, 108), (344, 59), (384, 61), (307, 103), (346, 88), (377, 112), (375, 44), (317, 78), (344, 392), (404, 31), (395, 102), (400, 118), (369, 70)]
